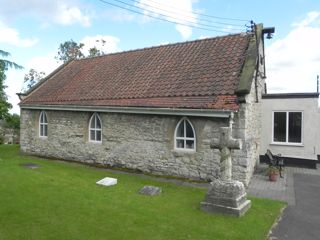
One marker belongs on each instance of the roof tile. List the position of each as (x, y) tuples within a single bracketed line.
[(196, 74)]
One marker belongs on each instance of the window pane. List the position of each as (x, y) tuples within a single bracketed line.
[(98, 135), (92, 123), (190, 144), (189, 130), (98, 123), (92, 135), (180, 143), (45, 128), (41, 130), (279, 127), (45, 118), (180, 130), (295, 120)]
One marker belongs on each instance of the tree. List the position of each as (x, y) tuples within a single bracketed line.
[(32, 78), (94, 52), (13, 121), (7, 63), (69, 50), (4, 65)]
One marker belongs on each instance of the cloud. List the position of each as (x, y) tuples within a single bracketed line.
[(179, 11), (67, 15), (311, 18), (110, 45), (46, 63), (11, 36), (293, 61), (58, 11)]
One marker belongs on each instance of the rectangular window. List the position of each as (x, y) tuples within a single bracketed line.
[(287, 127)]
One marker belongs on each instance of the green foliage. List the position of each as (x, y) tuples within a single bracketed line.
[(273, 170), (70, 50), (93, 52), (60, 200), (7, 63), (4, 65), (4, 105), (13, 121), (4, 108), (32, 78)]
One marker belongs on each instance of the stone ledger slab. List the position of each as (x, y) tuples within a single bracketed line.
[(150, 190), (227, 197), (107, 181)]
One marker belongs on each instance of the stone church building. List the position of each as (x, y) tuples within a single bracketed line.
[(155, 110)]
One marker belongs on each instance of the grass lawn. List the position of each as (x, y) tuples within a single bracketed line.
[(61, 201)]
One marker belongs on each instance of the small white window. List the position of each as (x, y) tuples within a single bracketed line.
[(184, 137), (95, 128), (43, 125)]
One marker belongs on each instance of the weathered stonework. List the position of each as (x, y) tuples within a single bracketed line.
[(247, 126), (141, 142)]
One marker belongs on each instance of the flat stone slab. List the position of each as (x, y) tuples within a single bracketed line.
[(30, 165), (150, 190), (107, 181)]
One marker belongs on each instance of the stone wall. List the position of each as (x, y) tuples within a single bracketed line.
[(141, 142), (247, 126)]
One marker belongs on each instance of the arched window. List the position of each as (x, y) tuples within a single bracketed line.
[(185, 137), (43, 125), (95, 128)]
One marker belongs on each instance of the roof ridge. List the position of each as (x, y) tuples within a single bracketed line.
[(164, 45)]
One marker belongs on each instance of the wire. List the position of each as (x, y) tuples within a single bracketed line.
[(188, 14), (192, 25), (201, 14), (164, 15), (179, 19)]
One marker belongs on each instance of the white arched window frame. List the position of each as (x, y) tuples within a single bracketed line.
[(95, 129), (43, 125), (185, 136)]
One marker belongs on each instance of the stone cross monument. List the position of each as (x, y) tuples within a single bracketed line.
[(226, 195), (225, 144)]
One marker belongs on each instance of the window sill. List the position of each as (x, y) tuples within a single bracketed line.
[(182, 152), (43, 137), (287, 144), (94, 142)]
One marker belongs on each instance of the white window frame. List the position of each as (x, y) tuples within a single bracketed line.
[(184, 120), (287, 128), (43, 125), (95, 116)]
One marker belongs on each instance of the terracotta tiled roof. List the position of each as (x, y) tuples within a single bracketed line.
[(197, 74)]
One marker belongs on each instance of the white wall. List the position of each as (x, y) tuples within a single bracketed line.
[(310, 147)]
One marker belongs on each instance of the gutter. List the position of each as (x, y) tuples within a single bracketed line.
[(135, 110)]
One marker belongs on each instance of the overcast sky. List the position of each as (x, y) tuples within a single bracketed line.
[(31, 30)]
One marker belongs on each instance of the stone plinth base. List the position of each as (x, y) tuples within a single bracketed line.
[(227, 197)]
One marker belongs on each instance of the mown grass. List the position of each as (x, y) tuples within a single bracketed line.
[(60, 200)]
